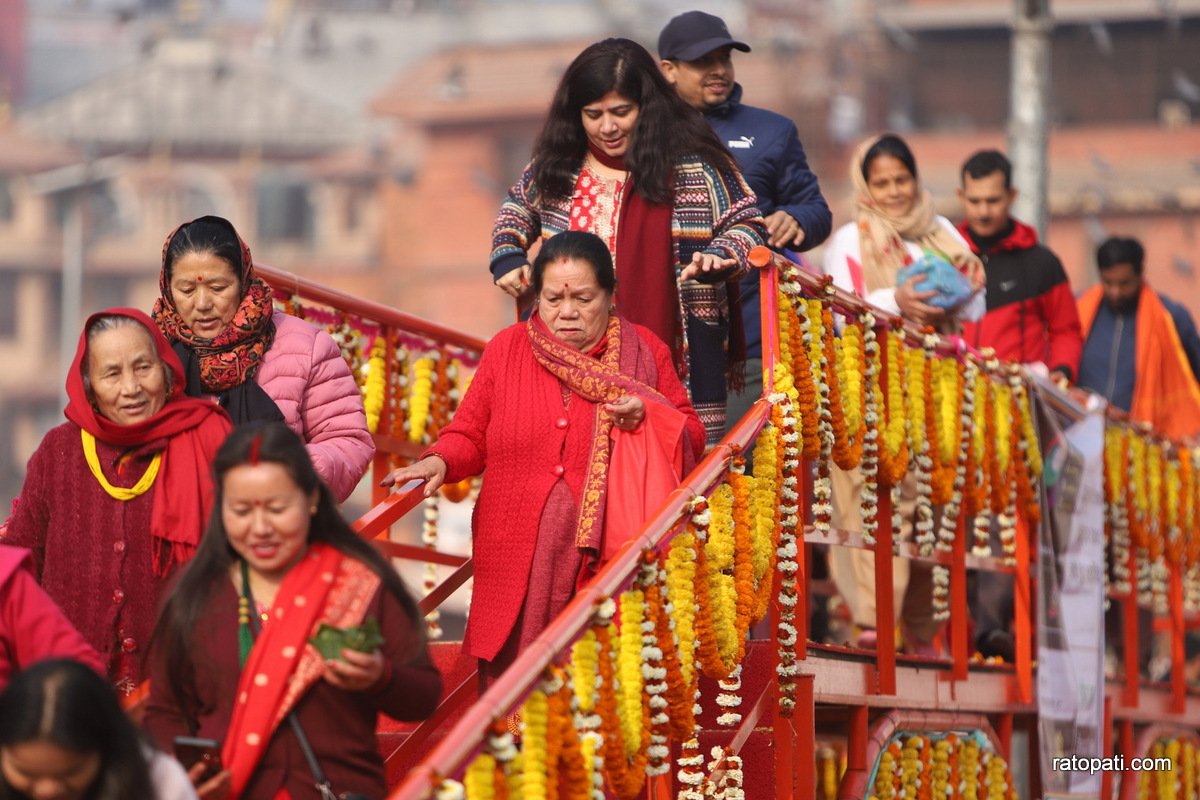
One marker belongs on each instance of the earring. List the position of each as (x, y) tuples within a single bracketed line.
[(312, 512)]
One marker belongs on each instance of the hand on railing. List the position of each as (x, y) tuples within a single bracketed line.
[(431, 469)]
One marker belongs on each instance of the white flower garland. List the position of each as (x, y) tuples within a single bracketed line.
[(729, 699), (869, 507)]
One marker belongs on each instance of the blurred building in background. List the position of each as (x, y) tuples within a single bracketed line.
[(367, 143)]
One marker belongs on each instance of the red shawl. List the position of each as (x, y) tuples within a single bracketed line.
[(235, 354), (192, 430), (325, 586), (645, 263)]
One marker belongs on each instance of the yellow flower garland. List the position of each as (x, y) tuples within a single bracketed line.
[(681, 574), (419, 399), (480, 778), (535, 714), (376, 383), (629, 670)]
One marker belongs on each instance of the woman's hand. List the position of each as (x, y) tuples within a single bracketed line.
[(431, 469), (706, 262), (516, 282), (355, 671), (215, 788), (627, 412), (913, 306)]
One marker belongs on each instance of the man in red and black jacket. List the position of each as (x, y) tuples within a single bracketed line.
[(1031, 313), (1031, 317)]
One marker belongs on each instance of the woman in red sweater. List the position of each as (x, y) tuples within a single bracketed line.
[(115, 498), (539, 417)]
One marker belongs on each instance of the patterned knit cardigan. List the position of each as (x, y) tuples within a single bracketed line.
[(713, 212)]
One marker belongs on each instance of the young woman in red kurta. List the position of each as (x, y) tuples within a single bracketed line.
[(231, 655), (538, 416)]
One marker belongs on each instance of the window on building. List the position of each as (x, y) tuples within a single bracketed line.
[(7, 205), (8, 305), (284, 209)]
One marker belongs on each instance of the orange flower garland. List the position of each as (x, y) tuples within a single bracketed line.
[(626, 776), (948, 528)]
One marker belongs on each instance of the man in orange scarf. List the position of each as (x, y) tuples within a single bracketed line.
[(1141, 350)]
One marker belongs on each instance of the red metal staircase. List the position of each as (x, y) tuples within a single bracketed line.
[(856, 711)]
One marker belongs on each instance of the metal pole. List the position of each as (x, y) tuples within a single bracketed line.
[(72, 282), (1027, 124)]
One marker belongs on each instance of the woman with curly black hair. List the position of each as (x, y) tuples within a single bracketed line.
[(623, 157)]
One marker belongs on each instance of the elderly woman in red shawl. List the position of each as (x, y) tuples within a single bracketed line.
[(116, 497), (539, 416)]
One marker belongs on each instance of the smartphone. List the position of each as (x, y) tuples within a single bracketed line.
[(191, 750)]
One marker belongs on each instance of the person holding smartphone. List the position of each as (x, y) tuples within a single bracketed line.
[(64, 735), (285, 629)]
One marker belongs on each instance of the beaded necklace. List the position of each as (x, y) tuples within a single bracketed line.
[(249, 624)]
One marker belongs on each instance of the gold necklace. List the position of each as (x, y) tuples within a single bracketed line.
[(93, 461)]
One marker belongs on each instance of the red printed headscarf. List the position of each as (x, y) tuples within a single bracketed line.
[(234, 355), (192, 429)]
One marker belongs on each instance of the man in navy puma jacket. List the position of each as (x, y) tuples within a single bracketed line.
[(696, 52)]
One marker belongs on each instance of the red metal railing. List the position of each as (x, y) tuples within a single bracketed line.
[(828, 679)]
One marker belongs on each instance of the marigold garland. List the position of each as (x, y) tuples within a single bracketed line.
[(625, 775), (786, 553), (654, 665), (429, 534), (869, 505), (681, 597), (534, 715), (893, 450), (849, 428), (629, 670), (825, 381), (921, 439), (479, 781), (691, 771), (951, 511), (419, 399), (375, 383), (716, 625), (940, 766), (585, 683), (678, 691), (1116, 470), (768, 480)]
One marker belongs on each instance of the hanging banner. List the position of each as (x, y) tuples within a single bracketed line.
[(1070, 580)]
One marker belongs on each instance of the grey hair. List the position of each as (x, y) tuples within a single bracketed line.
[(109, 322)]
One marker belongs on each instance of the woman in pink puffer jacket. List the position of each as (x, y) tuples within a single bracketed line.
[(258, 363)]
